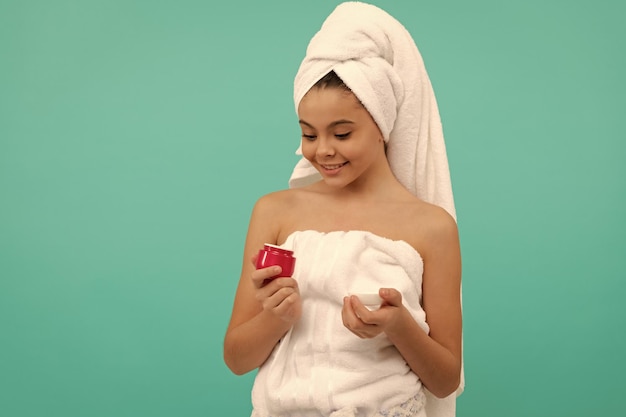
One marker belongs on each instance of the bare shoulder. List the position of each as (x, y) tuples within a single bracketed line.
[(439, 221), (272, 201), (271, 206), (431, 226), (279, 202), (280, 211)]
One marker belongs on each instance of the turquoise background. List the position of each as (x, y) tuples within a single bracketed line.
[(135, 136)]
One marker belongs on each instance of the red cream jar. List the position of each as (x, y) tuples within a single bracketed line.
[(272, 255)]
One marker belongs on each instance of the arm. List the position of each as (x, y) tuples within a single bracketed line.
[(434, 357), (261, 314)]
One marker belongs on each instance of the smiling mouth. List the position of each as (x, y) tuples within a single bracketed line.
[(332, 167)]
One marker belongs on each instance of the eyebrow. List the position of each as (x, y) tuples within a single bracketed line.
[(333, 124)]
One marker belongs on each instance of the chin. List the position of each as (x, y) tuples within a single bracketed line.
[(337, 182)]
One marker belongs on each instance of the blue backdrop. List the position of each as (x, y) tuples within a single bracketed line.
[(135, 136)]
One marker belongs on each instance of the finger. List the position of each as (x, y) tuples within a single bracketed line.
[(391, 296), (353, 323), (362, 312), (259, 276), (275, 300), (287, 303), (272, 288), (349, 318), (352, 317)]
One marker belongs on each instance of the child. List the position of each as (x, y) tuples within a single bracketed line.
[(369, 210)]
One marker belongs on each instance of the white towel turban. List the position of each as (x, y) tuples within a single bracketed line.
[(378, 60)]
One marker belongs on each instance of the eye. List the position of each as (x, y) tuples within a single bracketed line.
[(308, 137), (342, 136)]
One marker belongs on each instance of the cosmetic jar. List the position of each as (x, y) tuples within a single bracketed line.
[(272, 255)]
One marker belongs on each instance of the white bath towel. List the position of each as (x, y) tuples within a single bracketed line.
[(320, 367), (378, 60)]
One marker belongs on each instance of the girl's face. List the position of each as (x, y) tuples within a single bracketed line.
[(339, 137)]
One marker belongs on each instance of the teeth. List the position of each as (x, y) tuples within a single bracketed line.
[(332, 166)]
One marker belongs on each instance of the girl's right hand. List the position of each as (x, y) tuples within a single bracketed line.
[(278, 296)]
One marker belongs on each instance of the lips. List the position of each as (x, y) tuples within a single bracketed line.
[(332, 167)]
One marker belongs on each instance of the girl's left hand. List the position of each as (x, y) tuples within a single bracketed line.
[(368, 324)]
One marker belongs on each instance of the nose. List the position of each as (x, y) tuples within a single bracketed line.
[(324, 147)]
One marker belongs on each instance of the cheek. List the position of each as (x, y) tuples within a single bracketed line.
[(362, 155), (308, 150)]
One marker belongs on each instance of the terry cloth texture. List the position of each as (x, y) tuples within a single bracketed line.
[(320, 368)]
